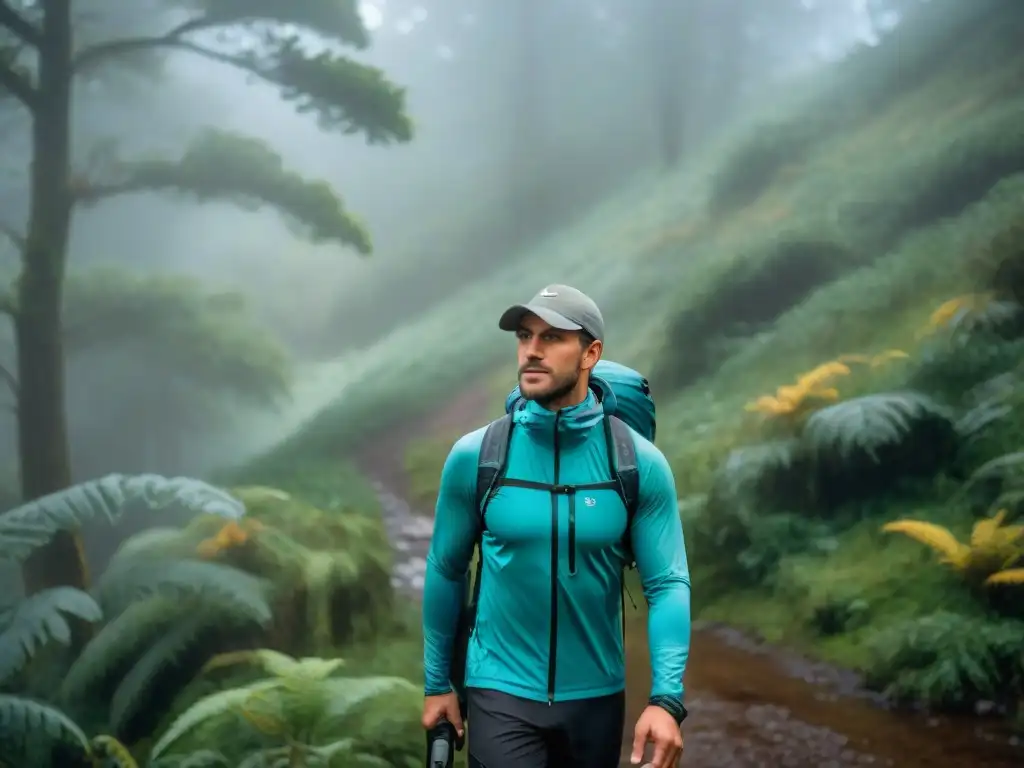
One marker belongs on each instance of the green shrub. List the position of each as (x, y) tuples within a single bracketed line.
[(761, 286), (737, 546), (949, 661), (838, 614), (854, 450), (865, 446)]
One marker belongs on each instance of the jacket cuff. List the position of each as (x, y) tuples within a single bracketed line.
[(670, 704)]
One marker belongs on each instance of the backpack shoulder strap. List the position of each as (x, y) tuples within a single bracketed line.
[(625, 470), (622, 447), (491, 464)]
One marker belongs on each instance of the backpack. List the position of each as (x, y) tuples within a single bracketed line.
[(628, 404)]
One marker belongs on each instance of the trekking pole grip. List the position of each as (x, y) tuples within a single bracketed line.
[(441, 741)]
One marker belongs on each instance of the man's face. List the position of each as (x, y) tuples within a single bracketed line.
[(551, 361)]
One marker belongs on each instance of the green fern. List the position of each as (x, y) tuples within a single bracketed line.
[(1007, 469), (26, 724), (300, 702), (158, 611), (203, 758), (39, 620), (223, 585), (25, 528), (117, 640), (131, 695), (212, 707), (945, 660), (864, 425), (767, 474)]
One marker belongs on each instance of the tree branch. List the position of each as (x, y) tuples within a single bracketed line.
[(18, 85), (17, 239), (11, 381), (95, 54), (18, 25)]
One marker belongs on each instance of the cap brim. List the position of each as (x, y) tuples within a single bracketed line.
[(512, 319)]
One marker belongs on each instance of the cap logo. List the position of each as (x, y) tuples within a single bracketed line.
[(548, 294)]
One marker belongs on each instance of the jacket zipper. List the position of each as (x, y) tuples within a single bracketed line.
[(553, 640), (572, 533)]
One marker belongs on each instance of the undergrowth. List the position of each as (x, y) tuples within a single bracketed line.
[(839, 233)]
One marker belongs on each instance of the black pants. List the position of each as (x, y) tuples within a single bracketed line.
[(509, 732)]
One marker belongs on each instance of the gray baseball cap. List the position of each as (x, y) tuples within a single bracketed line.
[(560, 306)]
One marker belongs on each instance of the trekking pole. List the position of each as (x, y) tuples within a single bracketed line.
[(441, 744)]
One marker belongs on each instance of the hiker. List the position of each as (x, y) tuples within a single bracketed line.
[(544, 670)]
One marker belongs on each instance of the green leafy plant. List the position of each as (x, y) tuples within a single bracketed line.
[(147, 611), (293, 716), (949, 661)]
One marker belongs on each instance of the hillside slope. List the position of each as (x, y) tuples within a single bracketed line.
[(829, 232)]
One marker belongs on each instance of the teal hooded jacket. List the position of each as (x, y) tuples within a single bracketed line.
[(549, 617)]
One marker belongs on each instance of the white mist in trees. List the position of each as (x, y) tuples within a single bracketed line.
[(40, 67)]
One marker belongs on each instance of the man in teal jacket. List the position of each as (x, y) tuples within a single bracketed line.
[(545, 669)]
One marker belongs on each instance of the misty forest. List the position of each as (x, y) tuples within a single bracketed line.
[(253, 256)]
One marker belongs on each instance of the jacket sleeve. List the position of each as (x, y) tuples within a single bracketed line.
[(660, 552), (451, 549)]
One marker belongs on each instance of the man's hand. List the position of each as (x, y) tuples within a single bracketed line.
[(442, 707), (658, 727)]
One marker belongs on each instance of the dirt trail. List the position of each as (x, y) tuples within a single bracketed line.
[(752, 706)]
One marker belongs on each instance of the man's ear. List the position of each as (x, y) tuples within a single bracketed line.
[(592, 355)]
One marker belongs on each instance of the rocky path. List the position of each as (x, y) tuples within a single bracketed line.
[(756, 707)]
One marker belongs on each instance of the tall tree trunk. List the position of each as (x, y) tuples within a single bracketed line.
[(670, 37), (529, 201), (42, 426)]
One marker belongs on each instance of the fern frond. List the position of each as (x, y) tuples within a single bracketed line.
[(273, 757), (230, 588), (114, 754), (203, 758), (132, 693), (264, 712), (947, 659), (346, 694), (278, 664), (25, 528), (865, 424), (119, 639), (24, 722), (38, 620), (208, 708), (347, 749), (1011, 576), (935, 536), (251, 495), (999, 468), (153, 543)]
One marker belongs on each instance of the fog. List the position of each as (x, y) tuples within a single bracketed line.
[(526, 114)]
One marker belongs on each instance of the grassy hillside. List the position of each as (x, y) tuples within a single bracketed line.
[(828, 230)]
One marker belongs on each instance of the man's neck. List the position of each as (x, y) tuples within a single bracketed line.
[(577, 396)]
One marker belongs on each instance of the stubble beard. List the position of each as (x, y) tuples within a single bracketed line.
[(558, 390)]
